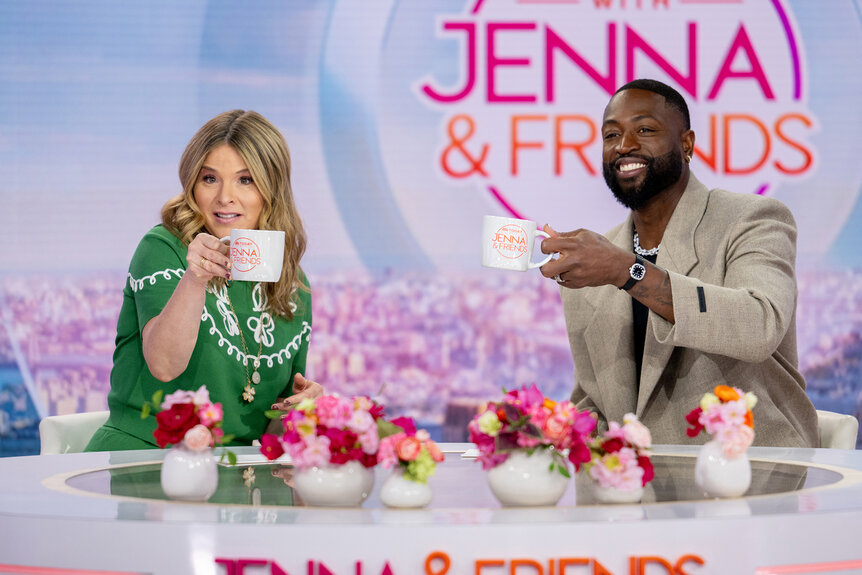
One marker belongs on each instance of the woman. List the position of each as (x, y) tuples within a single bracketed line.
[(184, 323)]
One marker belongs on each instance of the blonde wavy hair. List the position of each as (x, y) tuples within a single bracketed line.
[(265, 153)]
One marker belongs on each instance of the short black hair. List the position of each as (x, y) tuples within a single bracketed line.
[(671, 97)]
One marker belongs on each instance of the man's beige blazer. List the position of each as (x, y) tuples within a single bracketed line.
[(740, 330)]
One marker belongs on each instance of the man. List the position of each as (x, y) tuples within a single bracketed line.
[(695, 289)]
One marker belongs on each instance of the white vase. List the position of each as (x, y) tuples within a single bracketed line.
[(344, 485), (524, 480), (189, 475), (720, 476), (614, 495), (398, 491)]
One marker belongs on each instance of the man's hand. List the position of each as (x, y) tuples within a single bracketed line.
[(586, 259)]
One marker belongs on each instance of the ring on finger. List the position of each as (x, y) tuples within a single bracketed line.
[(203, 261), (559, 280)]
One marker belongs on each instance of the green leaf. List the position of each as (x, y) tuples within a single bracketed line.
[(273, 413), (564, 471), (387, 428), (227, 439), (231, 457), (145, 411), (157, 398)]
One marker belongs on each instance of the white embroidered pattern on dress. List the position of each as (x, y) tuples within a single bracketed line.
[(262, 327), (229, 319), (281, 355), (136, 285)]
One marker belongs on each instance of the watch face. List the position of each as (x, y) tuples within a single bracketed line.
[(637, 271)]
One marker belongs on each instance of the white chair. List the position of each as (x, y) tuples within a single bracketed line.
[(69, 433), (837, 430)]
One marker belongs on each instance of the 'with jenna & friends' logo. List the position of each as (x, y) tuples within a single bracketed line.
[(510, 241), (244, 254)]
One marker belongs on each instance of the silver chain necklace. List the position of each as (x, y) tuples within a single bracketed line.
[(642, 252)]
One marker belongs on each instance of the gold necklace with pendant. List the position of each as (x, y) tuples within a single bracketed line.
[(249, 390)]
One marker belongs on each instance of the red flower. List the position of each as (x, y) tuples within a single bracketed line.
[(173, 423), (612, 445), (376, 411), (579, 453), (692, 419), (270, 446), (343, 444), (407, 424), (646, 465), (368, 459)]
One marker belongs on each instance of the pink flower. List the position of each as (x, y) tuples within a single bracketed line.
[(360, 422), (313, 453), (713, 419), (527, 441), (201, 397), (525, 398), (179, 396), (584, 423), (333, 411), (218, 434), (408, 448), (369, 440), (434, 450), (557, 429), (198, 438), (735, 440), (538, 416), (636, 432), (386, 451), (619, 470), (733, 412), (211, 414)]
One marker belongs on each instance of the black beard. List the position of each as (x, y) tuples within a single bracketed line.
[(661, 173)]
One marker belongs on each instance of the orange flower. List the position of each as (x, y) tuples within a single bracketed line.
[(549, 403), (749, 419), (726, 393)]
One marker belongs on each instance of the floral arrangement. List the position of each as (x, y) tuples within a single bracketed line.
[(526, 419), (413, 450), (190, 418), (726, 415), (330, 429), (621, 455)]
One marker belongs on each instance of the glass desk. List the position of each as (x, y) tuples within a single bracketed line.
[(105, 512)]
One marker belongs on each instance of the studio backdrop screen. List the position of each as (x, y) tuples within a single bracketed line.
[(407, 122)]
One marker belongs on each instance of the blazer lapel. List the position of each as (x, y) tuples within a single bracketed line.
[(610, 342), (678, 255)]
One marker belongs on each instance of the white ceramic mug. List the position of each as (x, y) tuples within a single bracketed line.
[(256, 255), (507, 243)]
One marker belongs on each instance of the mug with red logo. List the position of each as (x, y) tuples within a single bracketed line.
[(507, 243), (256, 255)]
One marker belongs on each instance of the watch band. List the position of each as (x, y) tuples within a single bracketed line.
[(633, 273)]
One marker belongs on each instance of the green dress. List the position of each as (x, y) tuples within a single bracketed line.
[(218, 360)]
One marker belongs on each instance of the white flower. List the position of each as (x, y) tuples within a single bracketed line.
[(707, 400), (750, 400)]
